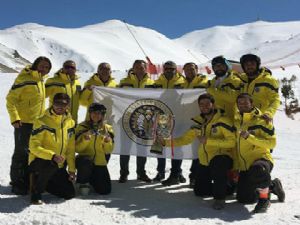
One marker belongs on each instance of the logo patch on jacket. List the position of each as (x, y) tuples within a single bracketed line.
[(256, 89)]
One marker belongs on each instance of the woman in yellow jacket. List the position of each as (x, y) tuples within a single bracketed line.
[(255, 139), (65, 81), (94, 140), (52, 143), (25, 102), (216, 135)]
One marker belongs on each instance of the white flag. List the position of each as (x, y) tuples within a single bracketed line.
[(131, 112)]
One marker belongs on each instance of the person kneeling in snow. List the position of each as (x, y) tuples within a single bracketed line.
[(94, 140), (52, 142), (255, 139), (216, 135)]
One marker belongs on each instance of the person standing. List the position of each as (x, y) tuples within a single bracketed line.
[(94, 140), (138, 78), (193, 80), (25, 102), (52, 143), (65, 81), (170, 79)]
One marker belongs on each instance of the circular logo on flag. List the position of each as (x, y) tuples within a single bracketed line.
[(139, 120)]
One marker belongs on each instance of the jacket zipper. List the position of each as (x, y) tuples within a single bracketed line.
[(239, 147), (95, 147), (62, 135)]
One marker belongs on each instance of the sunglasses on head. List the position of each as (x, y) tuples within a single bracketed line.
[(170, 68)]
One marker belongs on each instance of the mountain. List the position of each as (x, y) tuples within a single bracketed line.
[(278, 44), (110, 41)]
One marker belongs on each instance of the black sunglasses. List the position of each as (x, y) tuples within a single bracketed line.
[(67, 67)]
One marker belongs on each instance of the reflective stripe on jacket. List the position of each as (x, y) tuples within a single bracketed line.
[(26, 99), (53, 134), (95, 148), (220, 135), (258, 144), (61, 83), (264, 91)]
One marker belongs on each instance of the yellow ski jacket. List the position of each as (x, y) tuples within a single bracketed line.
[(264, 91), (132, 81), (61, 83), (26, 99), (199, 81), (176, 82), (95, 148), (260, 141), (86, 97), (220, 135), (53, 134)]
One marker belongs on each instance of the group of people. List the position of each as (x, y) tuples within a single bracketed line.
[(234, 130)]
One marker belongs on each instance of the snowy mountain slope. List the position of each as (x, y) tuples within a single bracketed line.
[(88, 46), (276, 43)]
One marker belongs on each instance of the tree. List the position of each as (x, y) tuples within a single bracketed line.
[(290, 101)]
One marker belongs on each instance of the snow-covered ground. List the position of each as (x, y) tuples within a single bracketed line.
[(139, 203)]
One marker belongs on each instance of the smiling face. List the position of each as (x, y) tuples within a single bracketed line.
[(43, 67), (244, 104), (206, 106), (104, 72)]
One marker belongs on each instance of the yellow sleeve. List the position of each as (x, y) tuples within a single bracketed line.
[(187, 138), (80, 142), (12, 98), (274, 100), (109, 146), (86, 97), (70, 154), (227, 141), (267, 141)]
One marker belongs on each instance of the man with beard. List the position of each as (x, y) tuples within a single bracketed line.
[(261, 85), (225, 86), (216, 135)]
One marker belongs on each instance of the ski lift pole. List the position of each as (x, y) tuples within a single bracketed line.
[(135, 38)]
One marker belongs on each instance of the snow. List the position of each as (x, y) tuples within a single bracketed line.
[(135, 202)]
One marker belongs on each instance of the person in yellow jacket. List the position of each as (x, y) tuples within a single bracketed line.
[(52, 142), (255, 139), (261, 85), (25, 102), (225, 86), (193, 80), (94, 140), (65, 81), (102, 78), (170, 79), (138, 78), (216, 135)]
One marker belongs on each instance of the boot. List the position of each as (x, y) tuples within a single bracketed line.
[(277, 189), (123, 178), (144, 177), (262, 205), (172, 180), (159, 177)]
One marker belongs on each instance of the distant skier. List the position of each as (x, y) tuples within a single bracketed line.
[(25, 102)]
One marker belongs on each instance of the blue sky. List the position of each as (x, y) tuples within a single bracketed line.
[(172, 18)]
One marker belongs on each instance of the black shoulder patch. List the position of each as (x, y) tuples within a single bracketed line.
[(199, 86), (126, 85), (230, 86)]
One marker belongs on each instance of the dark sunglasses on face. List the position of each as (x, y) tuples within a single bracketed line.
[(60, 104), (67, 67), (169, 68)]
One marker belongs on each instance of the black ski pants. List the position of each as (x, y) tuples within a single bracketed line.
[(175, 166), (97, 176), (212, 180), (140, 165), (258, 176), (19, 164), (48, 177)]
